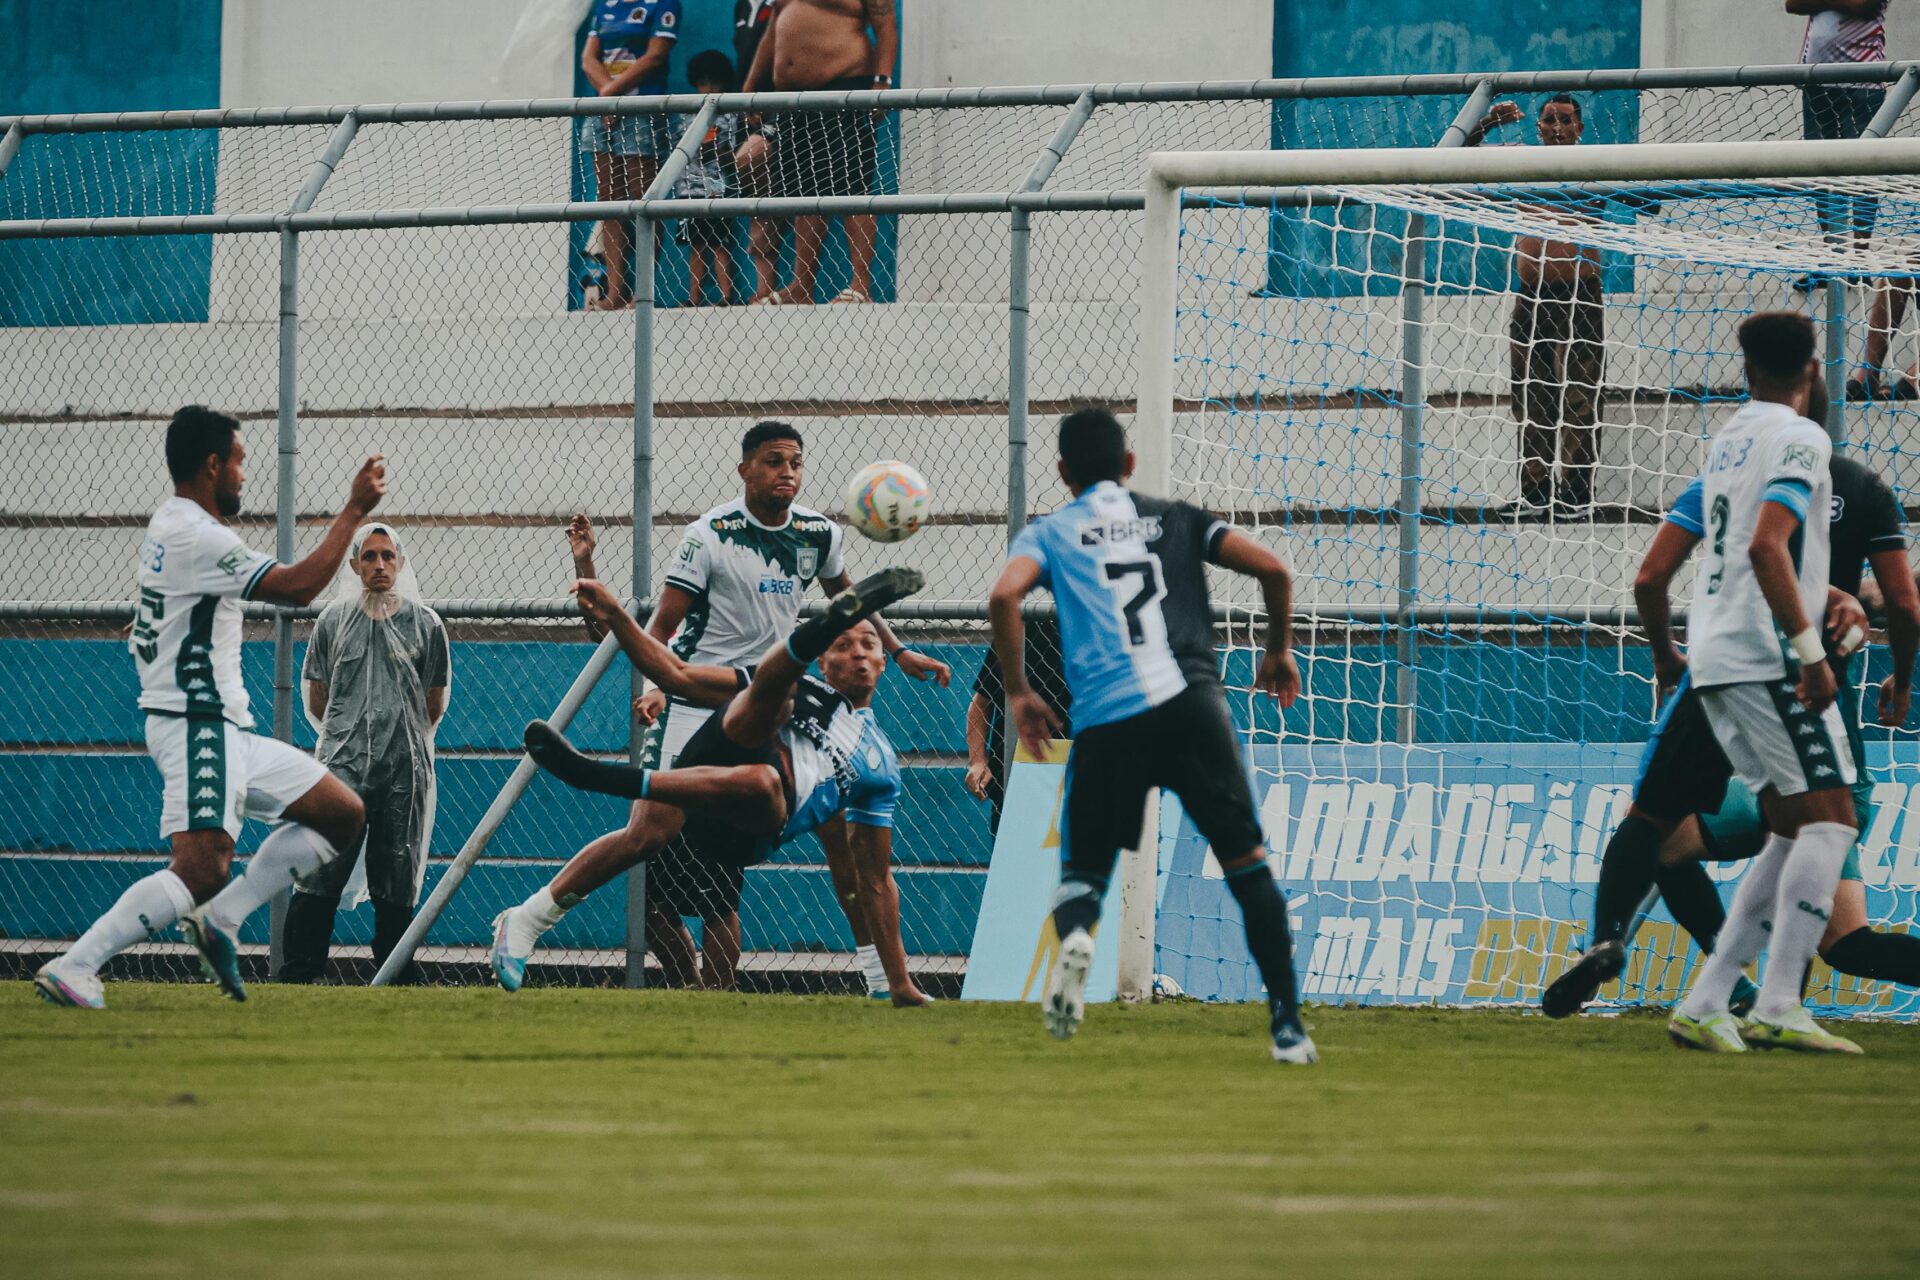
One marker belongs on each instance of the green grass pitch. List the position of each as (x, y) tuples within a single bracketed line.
[(468, 1133)]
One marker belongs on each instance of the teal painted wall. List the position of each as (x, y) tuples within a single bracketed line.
[(1405, 37), (108, 55)]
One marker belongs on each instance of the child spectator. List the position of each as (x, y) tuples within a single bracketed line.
[(709, 175)]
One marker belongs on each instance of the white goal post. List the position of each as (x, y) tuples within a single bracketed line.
[(1267, 180)]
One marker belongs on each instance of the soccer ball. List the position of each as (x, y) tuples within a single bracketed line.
[(887, 501)]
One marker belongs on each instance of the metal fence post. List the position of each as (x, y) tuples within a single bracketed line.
[(10, 146), (283, 535), (644, 232), (1413, 421)]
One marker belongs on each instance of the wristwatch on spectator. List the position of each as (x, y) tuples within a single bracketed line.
[(883, 82)]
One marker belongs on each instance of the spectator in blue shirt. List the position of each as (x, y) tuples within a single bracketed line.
[(626, 55)]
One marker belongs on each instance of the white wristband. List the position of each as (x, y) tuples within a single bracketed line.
[(1807, 646)]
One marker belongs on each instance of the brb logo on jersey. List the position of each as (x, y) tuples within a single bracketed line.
[(776, 586), (1140, 528)]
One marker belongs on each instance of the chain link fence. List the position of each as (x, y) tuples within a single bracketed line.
[(456, 274)]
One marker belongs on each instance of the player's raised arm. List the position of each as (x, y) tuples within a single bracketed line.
[(1277, 675), (702, 685), (301, 582), (1033, 720)]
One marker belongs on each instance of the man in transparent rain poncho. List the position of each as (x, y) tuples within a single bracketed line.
[(377, 674)]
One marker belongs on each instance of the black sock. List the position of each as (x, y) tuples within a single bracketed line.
[(1690, 895), (1076, 905), (552, 752), (1887, 957), (1627, 871), (306, 937), (390, 921), (1269, 937)]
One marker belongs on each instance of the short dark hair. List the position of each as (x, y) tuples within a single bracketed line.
[(1564, 100), (1777, 345), (710, 66), (765, 432), (195, 433), (1093, 446)]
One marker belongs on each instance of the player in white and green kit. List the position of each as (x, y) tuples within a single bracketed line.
[(734, 590), (192, 575), (1759, 663)]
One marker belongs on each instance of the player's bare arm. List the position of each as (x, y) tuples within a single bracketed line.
[(1652, 587), (1772, 560), (916, 665), (581, 542), (704, 686), (1278, 676), (1034, 721), (1895, 575), (301, 582)]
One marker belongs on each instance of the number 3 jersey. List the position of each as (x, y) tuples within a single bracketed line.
[(192, 575), (842, 762), (1765, 453), (1128, 578)]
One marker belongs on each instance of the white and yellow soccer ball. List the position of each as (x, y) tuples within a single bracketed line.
[(888, 501)]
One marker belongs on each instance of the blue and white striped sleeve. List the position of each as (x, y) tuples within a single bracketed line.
[(1689, 509), (1032, 544)]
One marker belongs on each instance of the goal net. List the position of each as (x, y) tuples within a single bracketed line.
[(1358, 372)]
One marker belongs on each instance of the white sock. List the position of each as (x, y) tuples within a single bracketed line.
[(870, 966), (526, 922), (1802, 907), (291, 850), (149, 905), (1742, 936)]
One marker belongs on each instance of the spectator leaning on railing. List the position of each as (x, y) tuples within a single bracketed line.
[(626, 56), (1556, 343), (824, 45)]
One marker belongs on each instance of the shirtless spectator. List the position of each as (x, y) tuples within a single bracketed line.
[(825, 45)]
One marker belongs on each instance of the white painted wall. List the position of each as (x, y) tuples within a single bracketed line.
[(1741, 33)]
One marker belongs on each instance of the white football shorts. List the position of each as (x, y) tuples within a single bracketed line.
[(216, 774), (1773, 741)]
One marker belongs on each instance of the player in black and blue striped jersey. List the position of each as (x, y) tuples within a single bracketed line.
[(1128, 576)]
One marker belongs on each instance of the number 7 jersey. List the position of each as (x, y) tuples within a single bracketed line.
[(1765, 453), (1128, 578)]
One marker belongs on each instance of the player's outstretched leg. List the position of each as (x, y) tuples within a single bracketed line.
[(550, 750), (861, 600)]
